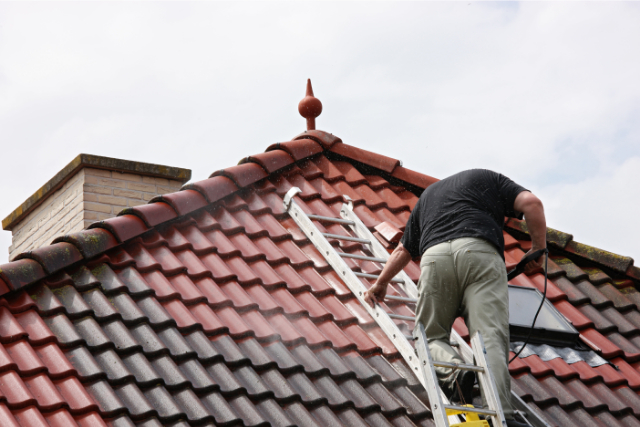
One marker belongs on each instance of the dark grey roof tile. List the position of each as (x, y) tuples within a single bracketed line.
[(376, 419), (83, 361), (102, 308), (190, 404), (127, 308), (164, 404), (135, 283), (401, 421), (325, 416), (83, 280), (73, 303), (182, 423), (411, 402), (121, 337), (299, 415), (176, 343), (46, 301), (124, 421), (169, 372), (391, 407), (110, 362), (306, 389), (273, 413), (278, 385), (337, 367), (364, 372), (247, 411), (63, 329), (198, 376), (229, 350), (307, 358), (207, 353), (223, 413), (108, 401), (92, 333), (390, 377), (332, 392), (260, 359), (140, 367), (109, 281), (404, 372), (153, 422), (134, 400), (359, 396), (351, 418), (283, 357), (252, 382), (147, 338), (158, 317), (224, 378)]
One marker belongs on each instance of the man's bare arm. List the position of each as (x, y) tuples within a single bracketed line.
[(396, 262), (533, 211)]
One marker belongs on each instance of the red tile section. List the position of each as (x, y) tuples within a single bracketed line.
[(271, 161), (243, 175), (123, 227), (378, 161), (152, 214), (183, 202), (213, 189)]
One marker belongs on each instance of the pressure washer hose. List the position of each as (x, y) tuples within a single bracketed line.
[(519, 269)]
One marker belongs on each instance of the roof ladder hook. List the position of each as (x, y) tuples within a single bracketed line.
[(286, 202)]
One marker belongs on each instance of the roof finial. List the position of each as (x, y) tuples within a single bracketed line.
[(310, 107)]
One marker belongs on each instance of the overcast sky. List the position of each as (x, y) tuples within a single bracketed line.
[(546, 93)]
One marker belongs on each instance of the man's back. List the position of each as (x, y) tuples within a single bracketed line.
[(471, 203)]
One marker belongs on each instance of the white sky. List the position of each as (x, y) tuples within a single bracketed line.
[(546, 93)]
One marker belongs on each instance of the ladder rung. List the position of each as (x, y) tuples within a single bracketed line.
[(401, 317), (480, 411), (331, 219), (373, 276), (461, 366), (412, 338), (349, 238), (395, 298), (362, 257)]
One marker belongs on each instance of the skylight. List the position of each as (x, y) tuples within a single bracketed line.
[(551, 327)]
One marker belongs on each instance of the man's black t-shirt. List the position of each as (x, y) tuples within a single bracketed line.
[(472, 203)]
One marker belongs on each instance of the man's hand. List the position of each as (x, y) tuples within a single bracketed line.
[(535, 264), (396, 262), (376, 293)]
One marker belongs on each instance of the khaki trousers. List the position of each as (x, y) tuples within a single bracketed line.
[(466, 277)]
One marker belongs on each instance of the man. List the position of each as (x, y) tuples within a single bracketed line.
[(456, 228)]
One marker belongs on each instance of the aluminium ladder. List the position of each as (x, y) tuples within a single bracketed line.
[(418, 358)]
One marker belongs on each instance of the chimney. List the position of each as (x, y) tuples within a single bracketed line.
[(90, 188)]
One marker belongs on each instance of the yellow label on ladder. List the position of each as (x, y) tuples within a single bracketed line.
[(472, 419)]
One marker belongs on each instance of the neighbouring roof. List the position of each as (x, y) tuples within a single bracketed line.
[(209, 307), (96, 162)]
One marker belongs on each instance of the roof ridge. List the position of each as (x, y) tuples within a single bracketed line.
[(564, 241)]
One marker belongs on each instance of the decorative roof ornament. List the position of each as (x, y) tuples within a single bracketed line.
[(310, 107)]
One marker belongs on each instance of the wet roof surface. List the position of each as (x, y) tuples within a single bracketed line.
[(209, 307)]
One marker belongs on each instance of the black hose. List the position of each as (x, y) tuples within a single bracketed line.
[(544, 295)]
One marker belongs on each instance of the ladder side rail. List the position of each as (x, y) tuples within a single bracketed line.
[(533, 418), (428, 377), (377, 249), (350, 279), (486, 380)]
